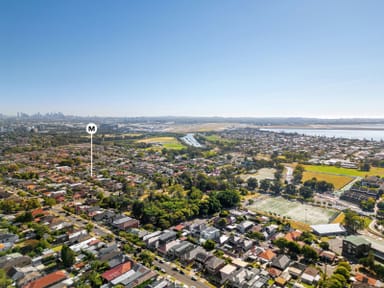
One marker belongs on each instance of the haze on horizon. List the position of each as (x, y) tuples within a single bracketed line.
[(193, 58)]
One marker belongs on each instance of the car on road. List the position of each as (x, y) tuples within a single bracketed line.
[(194, 278)]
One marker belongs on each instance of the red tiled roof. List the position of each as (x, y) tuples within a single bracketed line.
[(79, 265), (94, 242), (364, 279), (47, 280), (178, 227), (38, 211), (274, 272), (267, 255), (117, 271), (292, 236)]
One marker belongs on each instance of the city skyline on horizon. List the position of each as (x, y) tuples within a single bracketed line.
[(22, 114), (193, 59)]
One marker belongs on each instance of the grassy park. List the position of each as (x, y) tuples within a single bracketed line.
[(344, 171), (164, 142), (339, 181)]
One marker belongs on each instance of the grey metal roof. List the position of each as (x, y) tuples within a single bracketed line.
[(328, 228)]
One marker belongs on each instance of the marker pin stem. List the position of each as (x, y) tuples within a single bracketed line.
[(91, 129), (91, 156)]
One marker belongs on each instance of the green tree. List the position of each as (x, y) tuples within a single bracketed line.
[(293, 247), (324, 245), (282, 243), (252, 183), (346, 265), (214, 205), (333, 283), (95, 279), (4, 280), (256, 235), (298, 174), (138, 209), (67, 256), (343, 271), (40, 230), (264, 185), (276, 187), (24, 217), (368, 205), (353, 221), (49, 201), (290, 189), (89, 227), (147, 257), (309, 253), (209, 245), (195, 193), (340, 278), (323, 186), (99, 266), (306, 192), (369, 261), (228, 199), (307, 237)]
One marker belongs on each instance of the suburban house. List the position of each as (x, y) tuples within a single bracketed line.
[(48, 280), (296, 270), (210, 233), (281, 262), (310, 276), (180, 249), (167, 237), (267, 256), (125, 223), (214, 264), (244, 226), (188, 257), (14, 260), (117, 271), (293, 235), (8, 238), (226, 272), (249, 278)]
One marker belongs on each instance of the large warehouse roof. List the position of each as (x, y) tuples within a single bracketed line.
[(324, 229)]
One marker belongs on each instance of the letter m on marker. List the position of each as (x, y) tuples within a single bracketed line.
[(91, 128)]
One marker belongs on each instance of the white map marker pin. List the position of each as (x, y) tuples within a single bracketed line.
[(91, 129)]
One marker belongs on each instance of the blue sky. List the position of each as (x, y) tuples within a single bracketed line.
[(193, 58)]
